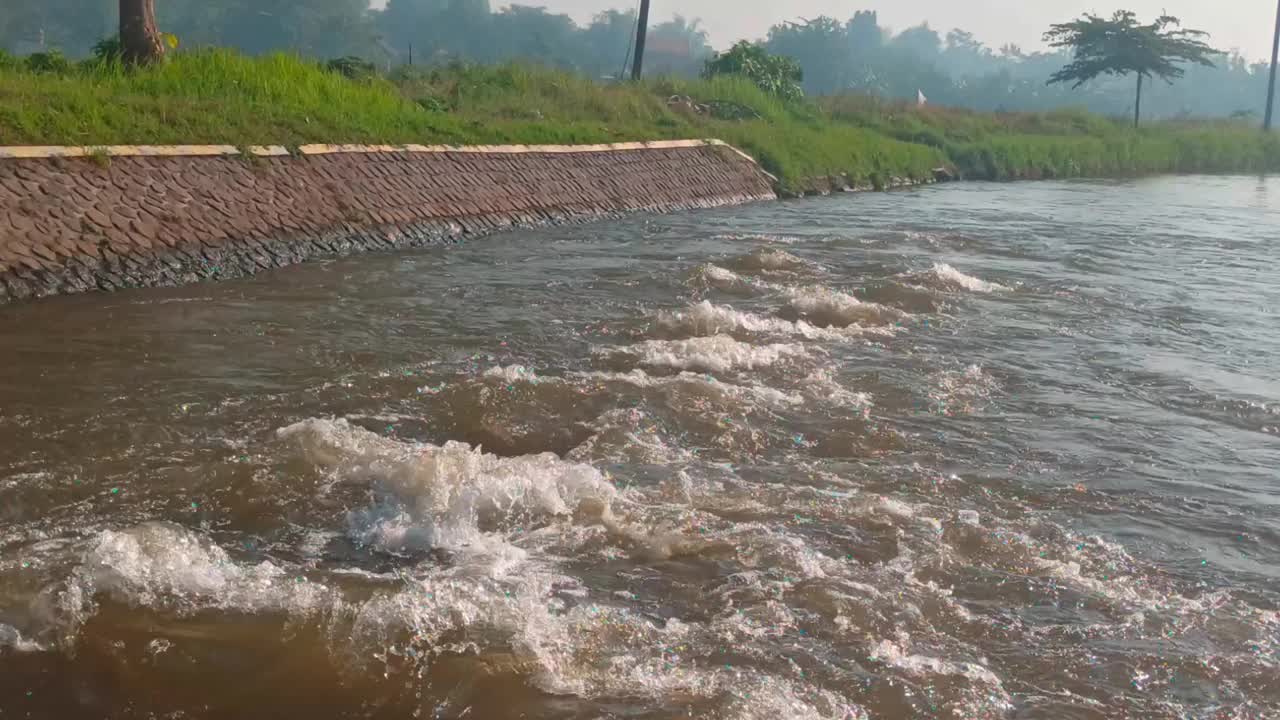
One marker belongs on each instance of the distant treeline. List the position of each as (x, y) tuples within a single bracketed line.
[(857, 55)]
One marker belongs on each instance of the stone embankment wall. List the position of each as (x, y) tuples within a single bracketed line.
[(75, 219)]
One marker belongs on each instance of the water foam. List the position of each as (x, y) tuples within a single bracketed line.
[(946, 277), (821, 386), (706, 319), (163, 565), (449, 496), (628, 435), (772, 260), (961, 392), (709, 276), (823, 306), (10, 637), (718, 353), (738, 393), (512, 374)]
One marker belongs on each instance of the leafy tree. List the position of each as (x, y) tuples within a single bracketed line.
[(864, 33), (921, 41), (677, 47), (1121, 46), (776, 75), (965, 55), (449, 28), (606, 41), (522, 32), (820, 46), (856, 56)]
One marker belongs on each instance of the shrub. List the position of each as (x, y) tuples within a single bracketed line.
[(52, 62), (108, 50), (777, 75), (352, 67)]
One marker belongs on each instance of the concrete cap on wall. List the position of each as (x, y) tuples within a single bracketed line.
[(35, 152)]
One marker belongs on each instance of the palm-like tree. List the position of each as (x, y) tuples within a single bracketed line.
[(1120, 46)]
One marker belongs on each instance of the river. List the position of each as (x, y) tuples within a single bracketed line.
[(976, 451)]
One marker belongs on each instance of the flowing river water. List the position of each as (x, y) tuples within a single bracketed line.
[(977, 451)]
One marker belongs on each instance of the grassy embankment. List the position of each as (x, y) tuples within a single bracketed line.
[(219, 97)]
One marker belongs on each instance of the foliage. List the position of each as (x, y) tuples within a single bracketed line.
[(1121, 46), (218, 96), (108, 50), (837, 55), (1062, 143), (353, 68), (52, 62), (776, 75)]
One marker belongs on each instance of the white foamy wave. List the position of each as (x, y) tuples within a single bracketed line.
[(773, 698), (826, 307), (821, 386), (947, 277), (772, 260), (11, 638), (892, 654), (161, 564), (748, 394), (583, 649), (628, 435), (705, 319), (453, 496), (961, 392), (713, 276), (513, 374), (718, 353)]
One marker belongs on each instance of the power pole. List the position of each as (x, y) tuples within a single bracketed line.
[(1275, 55), (642, 32)]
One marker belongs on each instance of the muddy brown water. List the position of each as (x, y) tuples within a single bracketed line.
[(977, 451)]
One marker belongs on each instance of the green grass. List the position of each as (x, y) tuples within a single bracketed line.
[(221, 97), (1064, 143)]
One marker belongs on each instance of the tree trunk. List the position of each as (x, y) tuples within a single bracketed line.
[(140, 42), (1137, 105)]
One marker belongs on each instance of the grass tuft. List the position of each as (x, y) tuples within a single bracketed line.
[(220, 97)]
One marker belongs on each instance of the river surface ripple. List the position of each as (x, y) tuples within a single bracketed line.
[(977, 451)]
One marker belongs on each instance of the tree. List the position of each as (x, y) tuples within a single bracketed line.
[(820, 46), (863, 30), (776, 75), (921, 41), (140, 41), (677, 47), (1121, 46)]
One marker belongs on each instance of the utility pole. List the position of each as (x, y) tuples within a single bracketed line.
[(642, 32), (1271, 88)]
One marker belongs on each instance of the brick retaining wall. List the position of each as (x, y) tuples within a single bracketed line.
[(76, 220)]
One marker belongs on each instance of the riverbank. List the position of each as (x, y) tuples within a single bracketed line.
[(143, 216), (222, 98)]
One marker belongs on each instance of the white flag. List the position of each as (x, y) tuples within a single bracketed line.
[(921, 100)]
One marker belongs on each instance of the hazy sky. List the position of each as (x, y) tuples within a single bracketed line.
[(1243, 24)]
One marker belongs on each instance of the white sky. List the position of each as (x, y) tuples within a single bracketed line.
[(1243, 24)]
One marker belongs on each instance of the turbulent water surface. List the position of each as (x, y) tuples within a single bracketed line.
[(972, 452)]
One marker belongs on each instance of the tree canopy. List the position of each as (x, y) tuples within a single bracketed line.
[(850, 54), (777, 75), (1120, 46)]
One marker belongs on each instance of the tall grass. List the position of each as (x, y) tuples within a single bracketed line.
[(1063, 143), (217, 96)]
